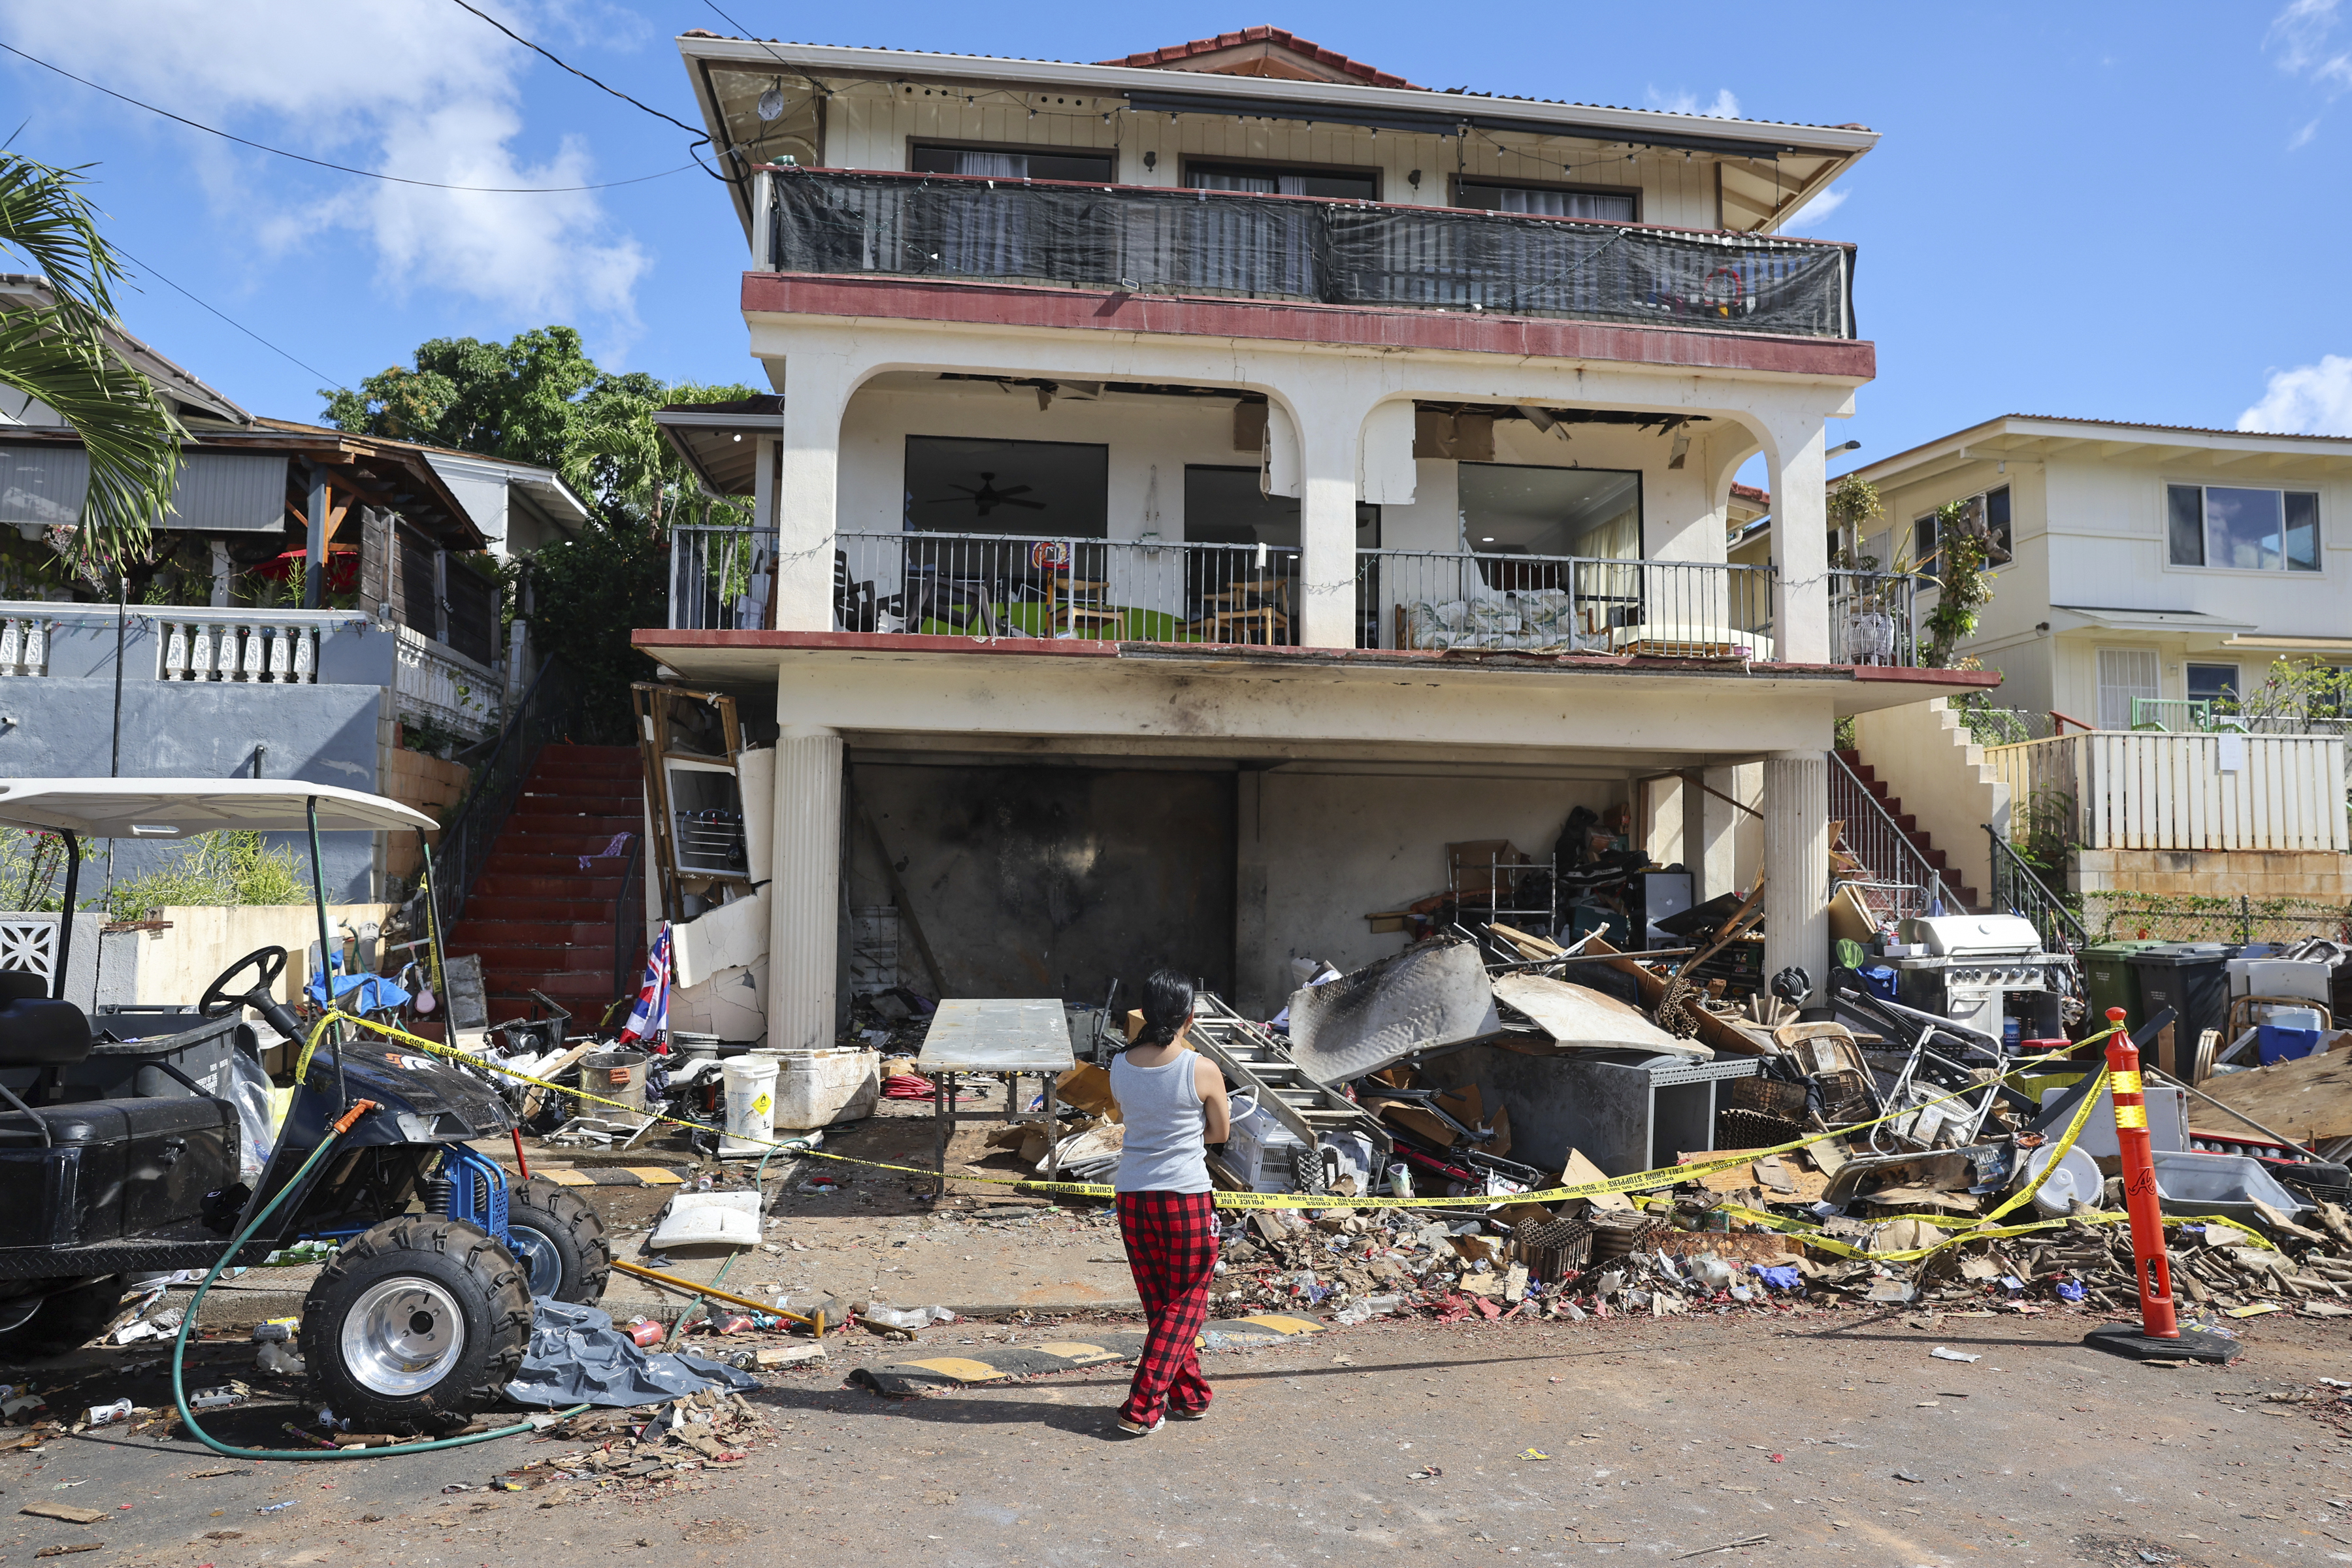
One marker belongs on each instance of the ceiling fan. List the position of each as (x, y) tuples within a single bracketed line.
[(987, 498)]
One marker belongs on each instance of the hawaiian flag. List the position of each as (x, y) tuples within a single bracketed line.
[(650, 1017)]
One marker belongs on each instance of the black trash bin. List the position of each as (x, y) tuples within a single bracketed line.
[(2192, 979)]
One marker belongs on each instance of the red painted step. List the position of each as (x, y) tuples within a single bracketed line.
[(538, 919)]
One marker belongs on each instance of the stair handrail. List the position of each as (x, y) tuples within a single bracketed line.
[(539, 716), (1924, 878), (2019, 888)]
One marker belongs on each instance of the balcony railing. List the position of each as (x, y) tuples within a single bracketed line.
[(988, 585), (719, 577), (1157, 240), (1415, 599), (1872, 619)]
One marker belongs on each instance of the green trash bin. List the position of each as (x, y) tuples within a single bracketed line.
[(2110, 980)]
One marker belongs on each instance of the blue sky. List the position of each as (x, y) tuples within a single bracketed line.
[(2128, 211)]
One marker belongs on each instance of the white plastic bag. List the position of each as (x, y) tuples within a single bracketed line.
[(247, 1088)]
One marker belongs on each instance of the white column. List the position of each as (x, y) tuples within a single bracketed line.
[(1330, 431), (817, 385), (1797, 862), (804, 896), (1801, 594)]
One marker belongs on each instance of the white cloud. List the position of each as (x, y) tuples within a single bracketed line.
[(423, 91), (2304, 36), (1805, 219), (1724, 107), (2309, 400)]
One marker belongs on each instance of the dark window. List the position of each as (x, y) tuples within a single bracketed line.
[(2212, 682), (1348, 185), (1057, 489), (1497, 195), (1017, 163), (2302, 531), (1224, 506), (473, 613), (1923, 542), (2185, 511), (2243, 529), (1996, 518)]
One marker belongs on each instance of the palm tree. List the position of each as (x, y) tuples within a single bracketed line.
[(60, 353)]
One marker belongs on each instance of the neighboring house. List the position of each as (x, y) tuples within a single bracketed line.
[(1205, 485), (227, 666), (2153, 576)]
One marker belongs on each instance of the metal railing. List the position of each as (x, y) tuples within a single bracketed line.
[(1420, 599), (1021, 585), (2204, 716), (1155, 240), (1872, 619), (721, 577), (472, 832), (2020, 890), (1894, 879), (2004, 726)]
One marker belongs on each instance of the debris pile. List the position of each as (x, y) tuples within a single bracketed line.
[(626, 1449)]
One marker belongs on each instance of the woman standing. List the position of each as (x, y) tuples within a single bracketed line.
[(1173, 1104)]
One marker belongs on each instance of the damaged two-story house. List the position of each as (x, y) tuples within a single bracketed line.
[(1200, 487)]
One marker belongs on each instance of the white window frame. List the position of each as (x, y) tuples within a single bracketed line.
[(2318, 492)]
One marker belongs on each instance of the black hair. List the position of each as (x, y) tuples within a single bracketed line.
[(1166, 1007)]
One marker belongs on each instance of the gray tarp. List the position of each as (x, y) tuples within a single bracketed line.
[(578, 1357), (1426, 996)]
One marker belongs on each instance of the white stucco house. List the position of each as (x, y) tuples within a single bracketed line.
[(2155, 575), (1202, 486)]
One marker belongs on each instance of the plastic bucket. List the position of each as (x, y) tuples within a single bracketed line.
[(612, 1075), (751, 1084)]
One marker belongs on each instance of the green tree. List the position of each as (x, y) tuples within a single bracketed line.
[(540, 399), (61, 354)]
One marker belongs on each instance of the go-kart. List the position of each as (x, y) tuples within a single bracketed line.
[(423, 1312)]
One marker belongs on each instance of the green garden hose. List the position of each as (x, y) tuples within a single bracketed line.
[(188, 1323)]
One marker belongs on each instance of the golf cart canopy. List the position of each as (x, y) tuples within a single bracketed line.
[(167, 809)]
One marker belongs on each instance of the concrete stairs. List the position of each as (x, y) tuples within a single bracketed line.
[(1918, 838), (538, 919)]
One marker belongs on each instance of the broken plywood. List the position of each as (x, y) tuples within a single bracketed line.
[(1578, 1016)]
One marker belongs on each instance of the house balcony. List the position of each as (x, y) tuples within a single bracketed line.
[(1163, 591), (1152, 240)]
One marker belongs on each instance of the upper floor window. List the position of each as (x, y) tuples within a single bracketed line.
[(2242, 530), (1546, 200), (1274, 180), (1014, 162), (1987, 510)]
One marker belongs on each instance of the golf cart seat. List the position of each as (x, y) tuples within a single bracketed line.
[(35, 1031)]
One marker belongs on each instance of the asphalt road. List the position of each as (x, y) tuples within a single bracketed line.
[(1832, 1437)]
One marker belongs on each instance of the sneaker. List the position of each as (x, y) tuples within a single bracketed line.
[(1137, 1430), (1189, 1413)]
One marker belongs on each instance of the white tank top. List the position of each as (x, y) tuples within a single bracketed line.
[(1164, 1120)]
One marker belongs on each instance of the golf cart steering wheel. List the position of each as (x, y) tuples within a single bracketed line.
[(220, 1001)]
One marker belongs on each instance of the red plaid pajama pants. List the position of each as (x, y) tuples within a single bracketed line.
[(1172, 1245)]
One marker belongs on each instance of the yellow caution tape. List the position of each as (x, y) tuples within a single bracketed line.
[(1639, 1180)]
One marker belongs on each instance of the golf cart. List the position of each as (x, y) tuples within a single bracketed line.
[(423, 1312)]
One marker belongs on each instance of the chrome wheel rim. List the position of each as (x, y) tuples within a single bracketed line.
[(542, 1266), (403, 1337)]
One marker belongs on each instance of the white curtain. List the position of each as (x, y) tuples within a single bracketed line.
[(993, 165)]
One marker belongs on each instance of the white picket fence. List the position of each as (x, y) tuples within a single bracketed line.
[(2146, 790)]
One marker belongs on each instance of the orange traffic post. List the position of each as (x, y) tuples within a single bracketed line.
[(2159, 1336)]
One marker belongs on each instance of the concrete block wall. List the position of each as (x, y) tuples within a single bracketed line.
[(430, 784), (2214, 873)]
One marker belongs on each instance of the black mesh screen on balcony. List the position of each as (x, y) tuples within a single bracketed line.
[(1348, 253)]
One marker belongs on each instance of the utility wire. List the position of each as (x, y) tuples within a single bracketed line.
[(692, 131), (347, 169), (240, 326)]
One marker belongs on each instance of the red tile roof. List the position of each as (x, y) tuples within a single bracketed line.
[(1331, 59)]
